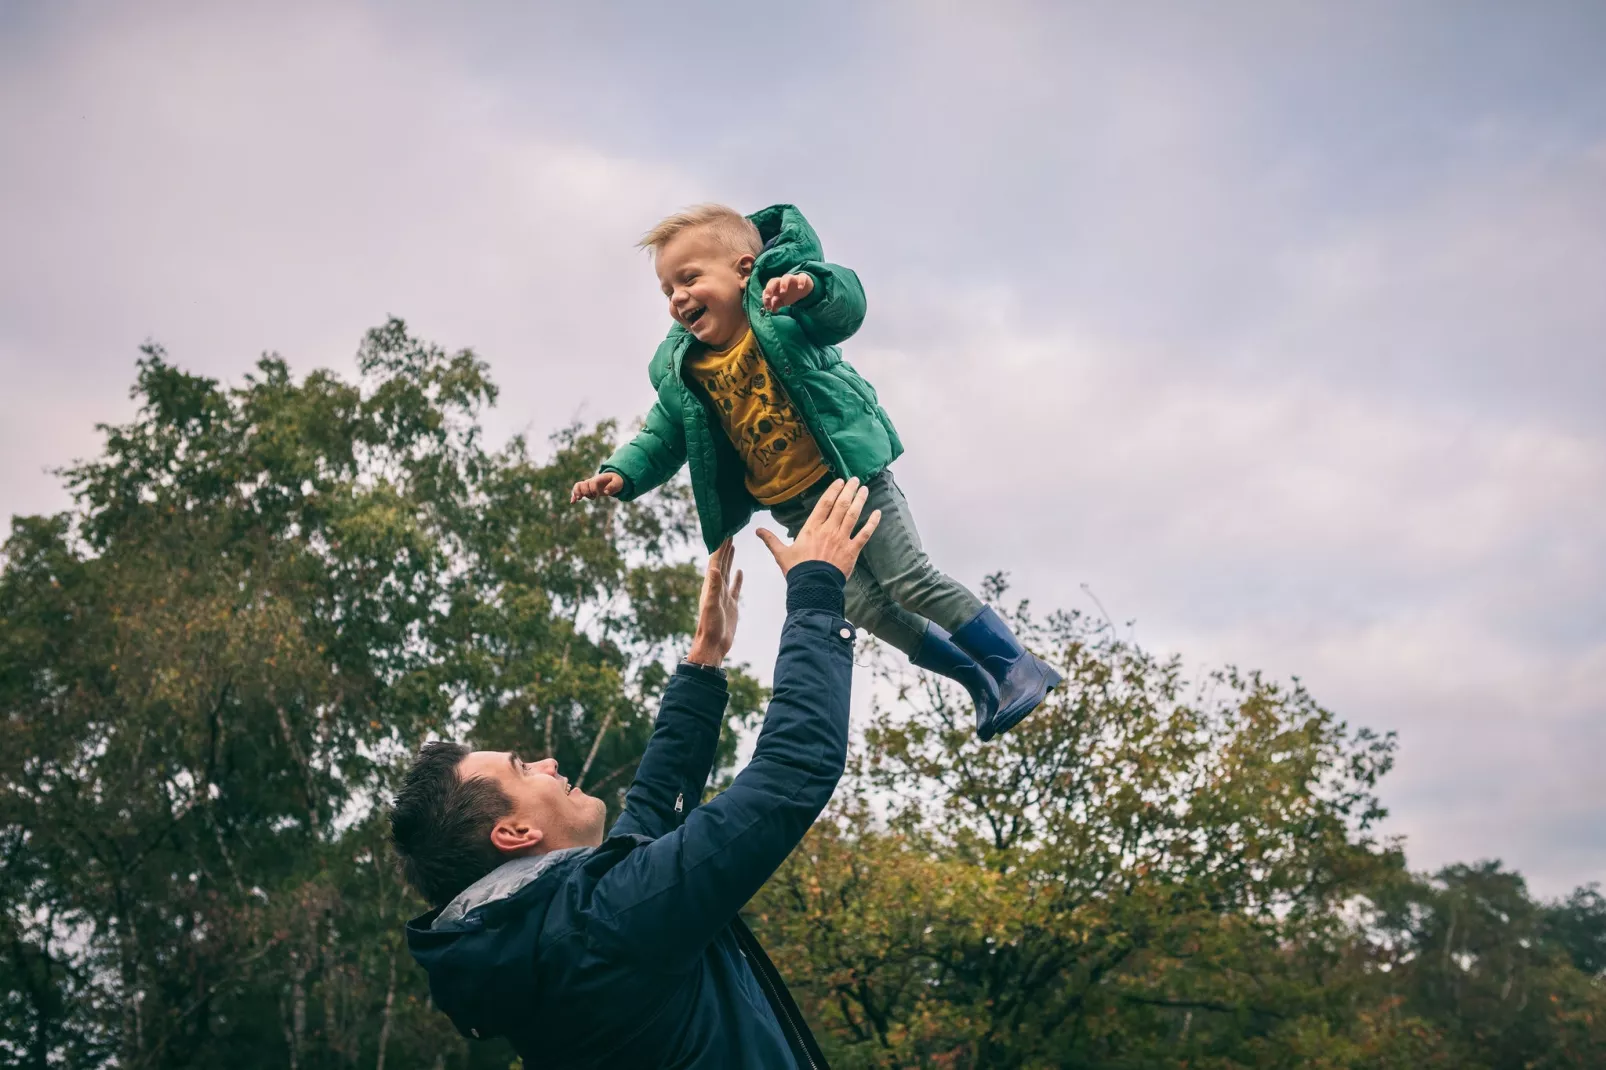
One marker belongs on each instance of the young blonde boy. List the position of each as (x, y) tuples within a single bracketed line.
[(754, 395)]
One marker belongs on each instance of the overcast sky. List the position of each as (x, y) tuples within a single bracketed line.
[(1281, 326)]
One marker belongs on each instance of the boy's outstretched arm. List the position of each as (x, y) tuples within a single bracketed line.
[(829, 310), (650, 458)]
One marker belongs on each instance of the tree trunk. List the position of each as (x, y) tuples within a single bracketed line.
[(390, 1001), (133, 1026), (596, 744), (340, 1039), (295, 1029), (300, 759), (38, 1000)]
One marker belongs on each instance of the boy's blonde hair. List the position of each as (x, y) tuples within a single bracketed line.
[(732, 228)]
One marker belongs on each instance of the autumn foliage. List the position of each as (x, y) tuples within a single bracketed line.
[(266, 596)]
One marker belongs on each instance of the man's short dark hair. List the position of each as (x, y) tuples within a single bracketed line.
[(441, 824)]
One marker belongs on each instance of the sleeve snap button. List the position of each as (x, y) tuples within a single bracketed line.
[(846, 633)]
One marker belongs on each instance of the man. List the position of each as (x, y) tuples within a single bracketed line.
[(628, 951)]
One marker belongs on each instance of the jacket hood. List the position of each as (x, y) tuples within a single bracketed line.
[(789, 241), (480, 949)]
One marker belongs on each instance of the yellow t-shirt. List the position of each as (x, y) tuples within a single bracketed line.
[(782, 458)]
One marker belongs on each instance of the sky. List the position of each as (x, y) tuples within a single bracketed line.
[(1280, 328)]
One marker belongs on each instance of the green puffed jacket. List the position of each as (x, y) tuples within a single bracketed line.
[(838, 406)]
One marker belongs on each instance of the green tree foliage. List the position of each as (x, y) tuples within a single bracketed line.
[(266, 596), (1510, 982), (1152, 873), (211, 669)]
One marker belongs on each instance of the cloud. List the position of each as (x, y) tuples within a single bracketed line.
[(1483, 293), (1279, 329), (1428, 560), (227, 182)]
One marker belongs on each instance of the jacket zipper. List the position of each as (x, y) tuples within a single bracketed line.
[(680, 801), (776, 1003)]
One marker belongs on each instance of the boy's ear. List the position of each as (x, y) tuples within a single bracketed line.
[(514, 837), (744, 265)]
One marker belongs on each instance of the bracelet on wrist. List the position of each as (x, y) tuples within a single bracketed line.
[(704, 667)]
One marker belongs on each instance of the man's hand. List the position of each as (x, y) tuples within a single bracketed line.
[(786, 290), (605, 484), (828, 535), (716, 611)]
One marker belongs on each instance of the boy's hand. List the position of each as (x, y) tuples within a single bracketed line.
[(828, 535), (605, 484), (786, 290), (716, 611)]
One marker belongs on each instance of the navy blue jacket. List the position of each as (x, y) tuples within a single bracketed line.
[(631, 954)]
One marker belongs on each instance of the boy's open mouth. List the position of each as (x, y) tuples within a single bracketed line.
[(691, 316)]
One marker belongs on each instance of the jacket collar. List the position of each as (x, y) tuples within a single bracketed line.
[(501, 883), (789, 242)]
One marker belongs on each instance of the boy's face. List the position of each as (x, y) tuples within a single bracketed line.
[(704, 279)]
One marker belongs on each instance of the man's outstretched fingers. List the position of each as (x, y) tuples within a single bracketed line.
[(767, 537), (868, 530), (844, 499), (850, 516), (822, 508)]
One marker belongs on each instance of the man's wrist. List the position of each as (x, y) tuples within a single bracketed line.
[(709, 673), (705, 656)]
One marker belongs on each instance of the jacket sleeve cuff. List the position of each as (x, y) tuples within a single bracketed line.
[(817, 293), (815, 585), (698, 689), (626, 492)]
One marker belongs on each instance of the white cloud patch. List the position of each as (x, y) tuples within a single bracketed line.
[(1300, 369), (226, 184), (1427, 562)]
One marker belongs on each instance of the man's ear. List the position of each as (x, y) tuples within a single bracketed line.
[(513, 837)]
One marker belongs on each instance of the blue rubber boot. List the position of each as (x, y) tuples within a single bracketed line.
[(1024, 680), (938, 654)]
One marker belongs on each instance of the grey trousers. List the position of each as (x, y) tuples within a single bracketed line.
[(894, 589)]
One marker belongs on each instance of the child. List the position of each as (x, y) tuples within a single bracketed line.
[(755, 395)]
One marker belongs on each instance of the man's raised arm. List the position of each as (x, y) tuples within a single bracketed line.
[(669, 782), (668, 899)]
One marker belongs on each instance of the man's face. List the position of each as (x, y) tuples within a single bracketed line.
[(704, 280), (547, 814)]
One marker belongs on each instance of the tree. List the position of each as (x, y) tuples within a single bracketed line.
[(211, 669), (1146, 872), (1496, 972)]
